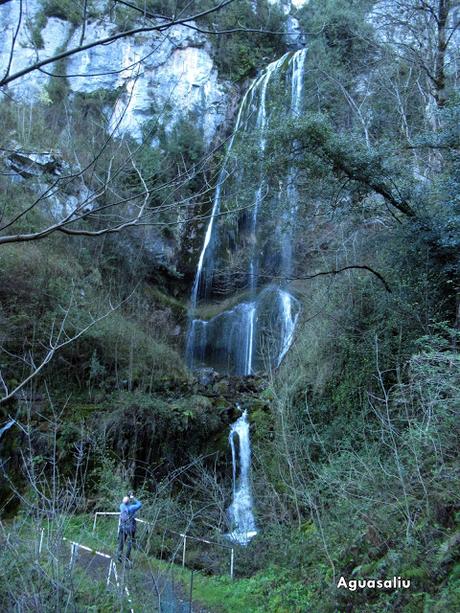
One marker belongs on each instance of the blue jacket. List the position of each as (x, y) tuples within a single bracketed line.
[(131, 508), (128, 526)]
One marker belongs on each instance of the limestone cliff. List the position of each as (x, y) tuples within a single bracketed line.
[(167, 74)]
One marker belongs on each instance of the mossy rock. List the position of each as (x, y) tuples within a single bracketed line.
[(218, 443), (220, 387), (262, 423)]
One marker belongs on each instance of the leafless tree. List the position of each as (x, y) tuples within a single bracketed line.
[(59, 338), (424, 32)]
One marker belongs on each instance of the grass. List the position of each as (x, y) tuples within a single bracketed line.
[(220, 593), (272, 590)]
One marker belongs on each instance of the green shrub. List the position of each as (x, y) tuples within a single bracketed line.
[(68, 10)]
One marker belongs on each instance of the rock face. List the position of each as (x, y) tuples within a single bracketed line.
[(50, 177), (34, 164), (25, 52), (164, 76), (153, 78)]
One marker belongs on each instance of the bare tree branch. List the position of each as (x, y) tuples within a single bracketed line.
[(110, 39), (58, 341)]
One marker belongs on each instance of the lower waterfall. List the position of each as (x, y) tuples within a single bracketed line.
[(243, 525)]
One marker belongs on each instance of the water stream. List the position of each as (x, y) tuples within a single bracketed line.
[(243, 525), (257, 332)]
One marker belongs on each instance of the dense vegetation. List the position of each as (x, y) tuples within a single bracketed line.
[(355, 436)]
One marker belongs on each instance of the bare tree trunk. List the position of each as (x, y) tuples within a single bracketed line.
[(439, 69)]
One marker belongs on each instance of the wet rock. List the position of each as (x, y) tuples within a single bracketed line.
[(206, 376), (295, 37), (220, 387), (241, 338), (34, 164)]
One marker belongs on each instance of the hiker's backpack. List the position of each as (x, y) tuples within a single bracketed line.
[(127, 522)]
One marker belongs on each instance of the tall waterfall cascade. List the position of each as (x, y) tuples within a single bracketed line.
[(241, 510), (246, 261)]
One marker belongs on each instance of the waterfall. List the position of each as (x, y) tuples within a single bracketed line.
[(289, 316), (7, 426), (289, 321), (240, 511), (205, 261), (258, 331), (298, 62)]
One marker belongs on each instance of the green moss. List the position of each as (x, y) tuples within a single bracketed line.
[(36, 27), (93, 102), (67, 10), (81, 411), (262, 420), (57, 88), (210, 310), (162, 298)]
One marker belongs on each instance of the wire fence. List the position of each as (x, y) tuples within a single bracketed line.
[(167, 593), (185, 538), (167, 587)]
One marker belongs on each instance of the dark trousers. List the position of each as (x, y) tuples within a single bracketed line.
[(125, 537)]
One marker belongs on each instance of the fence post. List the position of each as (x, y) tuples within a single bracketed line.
[(114, 566), (183, 549), (40, 546), (72, 555), (110, 572), (232, 559), (95, 520), (191, 592)]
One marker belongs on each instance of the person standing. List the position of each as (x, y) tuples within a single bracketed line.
[(127, 525)]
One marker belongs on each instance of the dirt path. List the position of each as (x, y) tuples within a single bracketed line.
[(157, 590)]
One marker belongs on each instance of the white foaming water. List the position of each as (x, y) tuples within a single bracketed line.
[(241, 510), (250, 338), (289, 323), (289, 318), (206, 254), (298, 63), (217, 201), (261, 126)]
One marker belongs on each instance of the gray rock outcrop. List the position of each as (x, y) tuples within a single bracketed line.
[(162, 75)]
